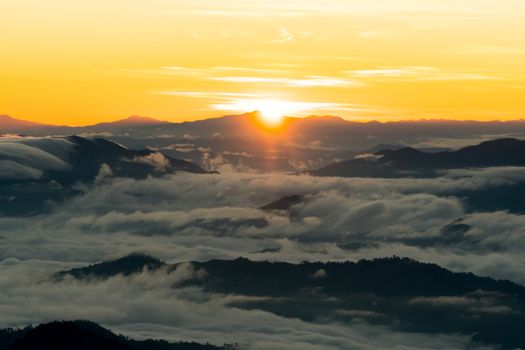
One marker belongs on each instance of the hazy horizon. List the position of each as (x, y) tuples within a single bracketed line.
[(135, 117)]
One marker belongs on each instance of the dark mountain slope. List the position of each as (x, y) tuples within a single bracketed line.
[(397, 292), (89, 155), (74, 158), (386, 277), (412, 162), (34, 171), (133, 263), (284, 203)]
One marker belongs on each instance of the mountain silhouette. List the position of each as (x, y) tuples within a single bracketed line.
[(397, 292), (84, 335), (410, 162), (90, 154), (284, 203), (333, 132), (386, 276), (133, 120), (46, 169), (127, 265), (243, 143), (10, 124)]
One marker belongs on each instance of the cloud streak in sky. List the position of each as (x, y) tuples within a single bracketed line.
[(418, 73), (310, 81), (344, 8)]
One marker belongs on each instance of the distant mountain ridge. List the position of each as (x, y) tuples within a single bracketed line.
[(132, 121), (8, 123), (7, 120), (242, 143), (328, 129)]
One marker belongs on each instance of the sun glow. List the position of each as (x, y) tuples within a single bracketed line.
[(397, 60), (271, 112)]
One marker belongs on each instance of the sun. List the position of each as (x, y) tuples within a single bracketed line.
[(272, 112)]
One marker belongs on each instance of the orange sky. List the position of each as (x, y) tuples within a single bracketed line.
[(85, 61)]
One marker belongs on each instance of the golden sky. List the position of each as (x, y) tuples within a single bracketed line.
[(85, 61)]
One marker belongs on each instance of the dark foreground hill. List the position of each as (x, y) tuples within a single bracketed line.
[(397, 292), (84, 335)]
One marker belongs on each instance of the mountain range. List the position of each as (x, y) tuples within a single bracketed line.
[(10, 124), (243, 143), (36, 170), (330, 131)]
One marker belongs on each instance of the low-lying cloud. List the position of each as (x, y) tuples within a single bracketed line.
[(146, 305), (187, 217), (27, 158)]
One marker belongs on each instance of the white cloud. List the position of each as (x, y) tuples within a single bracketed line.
[(406, 8), (187, 217), (487, 50), (285, 107), (14, 170), (146, 305), (419, 73), (104, 172), (156, 160), (199, 217), (29, 157), (286, 36), (309, 81)]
